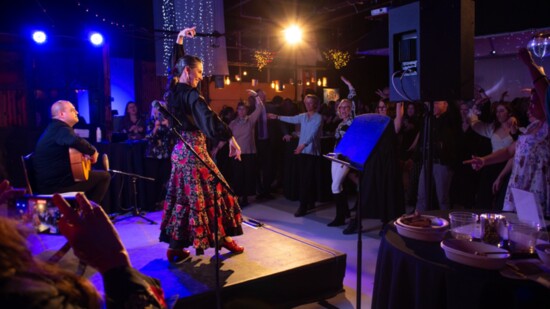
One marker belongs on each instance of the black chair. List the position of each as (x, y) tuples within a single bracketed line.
[(28, 171)]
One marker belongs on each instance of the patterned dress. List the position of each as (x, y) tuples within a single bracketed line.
[(530, 172), (194, 193)]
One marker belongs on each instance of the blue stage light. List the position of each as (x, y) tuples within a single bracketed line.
[(96, 39), (39, 37)]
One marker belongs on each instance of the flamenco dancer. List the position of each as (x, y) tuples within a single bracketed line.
[(194, 193)]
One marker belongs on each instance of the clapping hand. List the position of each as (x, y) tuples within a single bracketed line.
[(91, 234), (476, 162)]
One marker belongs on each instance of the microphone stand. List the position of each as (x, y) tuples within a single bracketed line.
[(136, 212), (174, 130)]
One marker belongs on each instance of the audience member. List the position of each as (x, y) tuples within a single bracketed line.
[(133, 123), (411, 164), (500, 132), (465, 180), (308, 150), (264, 154), (340, 171), (157, 155), (27, 282), (531, 152), (275, 141), (244, 171), (444, 132)]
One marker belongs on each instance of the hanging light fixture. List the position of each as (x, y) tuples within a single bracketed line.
[(539, 45)]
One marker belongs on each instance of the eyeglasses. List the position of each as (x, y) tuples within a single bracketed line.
[(381, 107)]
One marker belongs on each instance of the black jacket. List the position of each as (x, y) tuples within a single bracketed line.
[(51, 160), (192, 110)]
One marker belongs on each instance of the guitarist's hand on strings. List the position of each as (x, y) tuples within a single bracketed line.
[(94, 157), (91, 234)]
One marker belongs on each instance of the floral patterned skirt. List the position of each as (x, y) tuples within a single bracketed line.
[(193, 195)]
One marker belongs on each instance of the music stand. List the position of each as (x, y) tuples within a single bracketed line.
[(134, 209), (353, 151)]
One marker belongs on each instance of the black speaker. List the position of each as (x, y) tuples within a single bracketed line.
[(431, 50)]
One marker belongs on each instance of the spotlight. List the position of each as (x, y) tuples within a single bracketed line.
[(493, 52), (96, 39), (293, 34), (39, 37)]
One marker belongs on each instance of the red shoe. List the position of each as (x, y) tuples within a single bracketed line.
[(177, 255), (232, 246)]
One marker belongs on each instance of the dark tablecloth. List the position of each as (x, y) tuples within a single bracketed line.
[(126, 157), (416, 274), (291, 169)]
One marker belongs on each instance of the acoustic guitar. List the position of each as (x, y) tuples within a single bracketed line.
[(81, 165)]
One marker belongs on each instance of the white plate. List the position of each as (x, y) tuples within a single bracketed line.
[(464, 252), (437, 223), (425, 234)]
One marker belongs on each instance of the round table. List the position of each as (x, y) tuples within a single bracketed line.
[(416, 274)]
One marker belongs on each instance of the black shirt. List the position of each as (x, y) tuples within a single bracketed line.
[(51, 160), (192, 110)]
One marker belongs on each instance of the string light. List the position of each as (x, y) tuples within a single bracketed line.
[(179, 14), (101, 17)]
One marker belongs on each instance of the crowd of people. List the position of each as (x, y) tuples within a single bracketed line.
[(217, 161)]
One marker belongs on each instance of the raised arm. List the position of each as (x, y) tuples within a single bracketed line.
[(540, 81), (178, 50)]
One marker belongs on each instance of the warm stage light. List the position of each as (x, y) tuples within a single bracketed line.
[(293, 34), (96, 39), (39, 37)]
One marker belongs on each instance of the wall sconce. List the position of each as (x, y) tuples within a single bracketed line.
[(254, 82), (319, 82), (227, 80), (307, 83), (324, 81), (291, 81), (313, 80), (245, 73), (238, 77)]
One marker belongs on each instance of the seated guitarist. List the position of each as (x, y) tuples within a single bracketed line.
[(51, 160)]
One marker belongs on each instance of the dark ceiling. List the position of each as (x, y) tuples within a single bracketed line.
[(338, 23)]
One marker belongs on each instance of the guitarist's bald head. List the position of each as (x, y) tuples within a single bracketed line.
[(64, 111), (58, 107)]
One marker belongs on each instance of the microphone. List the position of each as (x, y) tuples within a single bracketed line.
[(105, 159), (166, 113)]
